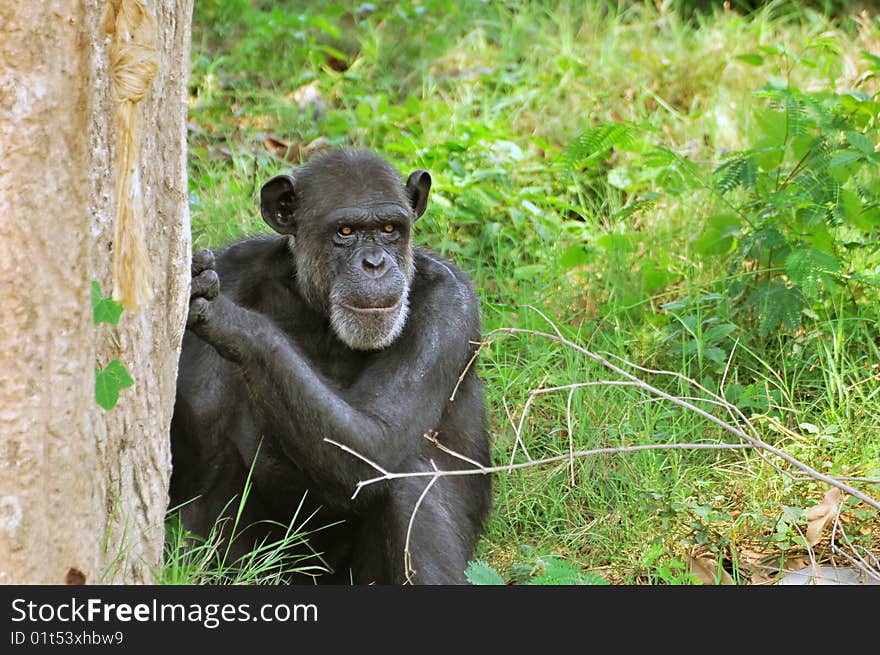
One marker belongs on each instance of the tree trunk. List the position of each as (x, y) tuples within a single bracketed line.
[(83, 490)]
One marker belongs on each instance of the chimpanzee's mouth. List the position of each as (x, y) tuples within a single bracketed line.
[(373, 311), (369, 321)]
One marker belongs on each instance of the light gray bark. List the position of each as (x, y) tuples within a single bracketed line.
[(83, 491)]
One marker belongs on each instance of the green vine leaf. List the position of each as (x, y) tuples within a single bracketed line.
[(109, 382), (104, 309)]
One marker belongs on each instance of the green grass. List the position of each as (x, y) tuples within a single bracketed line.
[(492, 98), (191, 559)]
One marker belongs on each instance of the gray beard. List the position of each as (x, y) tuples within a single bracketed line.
[(353, 331), (370, 334)]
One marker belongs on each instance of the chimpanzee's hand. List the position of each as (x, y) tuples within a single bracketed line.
[(205, 287)]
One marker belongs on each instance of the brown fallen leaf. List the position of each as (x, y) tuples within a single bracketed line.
[(294, 152), (821, 514), (769, 568), (705, 568), (282, 149), (314, 147)]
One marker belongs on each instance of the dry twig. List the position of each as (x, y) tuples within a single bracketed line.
[(740, 426)]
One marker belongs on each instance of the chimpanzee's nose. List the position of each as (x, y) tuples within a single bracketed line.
[(375, 263)]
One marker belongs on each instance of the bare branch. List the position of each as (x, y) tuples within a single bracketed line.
[(522, 420), (518, 440), (545, 390), (549, 322), (351, 451), (408, 570), (750, 438), (357, 454), (468, 366), (435, 439), (570, 437), (741, 427), (727, 366), (847, 478), (675, 374), (485, 470), (578, 385), (871, 569)]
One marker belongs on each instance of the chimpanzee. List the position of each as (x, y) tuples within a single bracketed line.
[(336, 328)]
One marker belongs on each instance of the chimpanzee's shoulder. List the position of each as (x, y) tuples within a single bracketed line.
[(442, 291), (436, 272), (256, 270), (254, 259), (249, 250)]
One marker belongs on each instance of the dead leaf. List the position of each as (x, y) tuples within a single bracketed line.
[(294, 152), (282, 149), (314, 147), (821, 514), (705, 568), (768, 569), (339, 64)]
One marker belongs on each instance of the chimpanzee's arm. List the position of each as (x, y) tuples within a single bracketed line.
[(382, 416)]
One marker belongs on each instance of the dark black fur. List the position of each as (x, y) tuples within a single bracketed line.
[(262, 366)]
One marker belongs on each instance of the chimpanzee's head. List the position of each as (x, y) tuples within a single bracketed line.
[(350, 216)]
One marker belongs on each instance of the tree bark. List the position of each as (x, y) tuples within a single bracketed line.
[(83, 491)]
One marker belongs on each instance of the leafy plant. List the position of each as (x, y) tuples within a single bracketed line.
[(104, 309), (540, 570), (481, 573), (664, 569), (109, 381), (699, 332), (785, 534), (795, 217), (808, 204), (114, 377)]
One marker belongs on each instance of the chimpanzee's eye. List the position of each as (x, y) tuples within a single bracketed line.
[(389, 228), (344, 231)]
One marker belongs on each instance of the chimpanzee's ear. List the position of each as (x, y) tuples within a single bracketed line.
[(278, 203), (417, 187)]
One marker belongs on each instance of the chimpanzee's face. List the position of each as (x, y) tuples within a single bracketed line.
[(350, 216)]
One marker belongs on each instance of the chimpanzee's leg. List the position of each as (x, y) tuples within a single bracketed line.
[(438, 548)]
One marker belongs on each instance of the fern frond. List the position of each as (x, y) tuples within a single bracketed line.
[(804, 114), (676, 167), (597, 141), (737, 171), (812, 269), (776, 304)]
